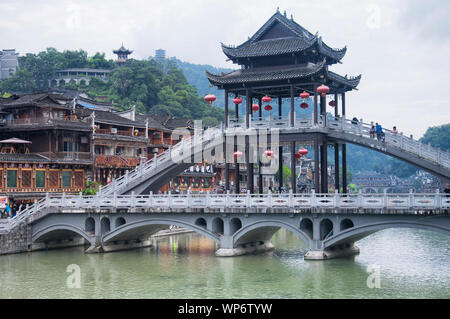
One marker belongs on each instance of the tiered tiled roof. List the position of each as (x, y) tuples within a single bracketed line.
[(266, 74), (280, 36)]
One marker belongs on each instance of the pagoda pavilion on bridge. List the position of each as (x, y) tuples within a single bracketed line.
[(282, 60)]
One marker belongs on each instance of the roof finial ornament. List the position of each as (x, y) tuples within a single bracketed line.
[(292, 17), (284, 13), (278, 9)]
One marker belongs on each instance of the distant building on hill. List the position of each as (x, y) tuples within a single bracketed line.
[(8, 63), (160, 54), (122, 55), (78, 75)]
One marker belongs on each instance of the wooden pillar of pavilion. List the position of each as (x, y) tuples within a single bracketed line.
[(316, 166), (316, 111), (280, 103), (336, 148), (248, 108), (280, 168), (293, 169), (344, 153), (292, 115), (236, 109), (324, 148), (227, 165), (260, 108), (280, 149), (226, 108), (259, 150), (236, 165), (249, 165)]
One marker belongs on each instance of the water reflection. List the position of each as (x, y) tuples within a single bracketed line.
[(412, 263)]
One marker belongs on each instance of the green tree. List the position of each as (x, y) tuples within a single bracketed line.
[(438, 136)]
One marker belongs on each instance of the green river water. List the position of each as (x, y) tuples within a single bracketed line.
[(411, 264)]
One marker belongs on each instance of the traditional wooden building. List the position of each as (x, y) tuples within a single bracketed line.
[(281, 60), (55, 152)]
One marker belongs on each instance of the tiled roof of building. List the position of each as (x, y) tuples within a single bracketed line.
[(152, 122), (280, 35), (39, 99), (266, 74), (29, 158), (107, 117)]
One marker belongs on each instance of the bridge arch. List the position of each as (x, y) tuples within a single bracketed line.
[(89, 225), (326, 228), (357, 233), (55, 232), (306, 226), (217, 225), (346, 224), (235, 225), (119, 222), (105, 225), (201, 222), (263, 231), (138, 229)]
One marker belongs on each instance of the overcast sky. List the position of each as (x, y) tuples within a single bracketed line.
[(401, 47)]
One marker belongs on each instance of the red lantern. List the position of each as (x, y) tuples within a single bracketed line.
[(255, 107), (182, 180), (193, 180), (237, 100), (268, 154), (202, 180), (266, 99), (268, 107), (323, 90), (304, 105), (237, 154), (303, 151), (298, 156), (332, 103), (304, 95), (210, 98)]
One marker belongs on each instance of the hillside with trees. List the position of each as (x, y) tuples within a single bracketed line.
[(152, 88)]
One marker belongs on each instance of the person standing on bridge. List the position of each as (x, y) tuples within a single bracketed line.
[(372, 131), (379, 130), (7, 210), (447, 190), (394, 130)]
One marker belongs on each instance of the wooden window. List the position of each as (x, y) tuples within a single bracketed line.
[(53, 179), (26, 178), (11, 179), (78, 179), (40, 179), (66, 176)]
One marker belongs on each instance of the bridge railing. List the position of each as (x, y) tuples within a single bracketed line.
[(378, 203), (408, 201)]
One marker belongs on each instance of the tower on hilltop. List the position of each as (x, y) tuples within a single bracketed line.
[(122, 55)]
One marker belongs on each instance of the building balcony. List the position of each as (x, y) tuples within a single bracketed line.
[(67, 156), (116, 161)]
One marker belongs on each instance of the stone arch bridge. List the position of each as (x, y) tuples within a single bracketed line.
[(329, 224)]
